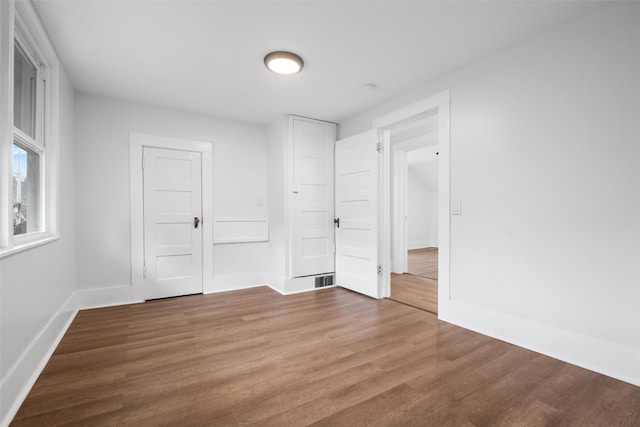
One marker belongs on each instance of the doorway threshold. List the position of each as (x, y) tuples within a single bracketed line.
[(413, 306)]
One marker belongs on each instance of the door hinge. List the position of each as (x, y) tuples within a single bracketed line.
[(144, 271), (379, 269), (379, 147), (143, 162), (334, 249)]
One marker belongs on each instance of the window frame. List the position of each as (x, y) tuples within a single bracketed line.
[(25, 29)]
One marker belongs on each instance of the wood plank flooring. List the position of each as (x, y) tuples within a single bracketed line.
[(415, 291), (423, 262), (419, 288), (331, 357)]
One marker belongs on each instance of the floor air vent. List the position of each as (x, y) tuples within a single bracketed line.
[(323, 281)]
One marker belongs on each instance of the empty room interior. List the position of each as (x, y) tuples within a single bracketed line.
[(338, 213)]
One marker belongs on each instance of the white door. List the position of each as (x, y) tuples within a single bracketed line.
[(357, 195), (172, 232), (313, 197)]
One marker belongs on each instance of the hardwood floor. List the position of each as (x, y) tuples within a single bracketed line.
[(415, 291), (331, 357), (419, 288), (423, 262)]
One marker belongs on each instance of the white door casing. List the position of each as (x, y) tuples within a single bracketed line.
[(399, 257), (439, 103), (357, 208), (313, 235), (172, 234)]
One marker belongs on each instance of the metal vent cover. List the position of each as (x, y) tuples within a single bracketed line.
[(322, 281)]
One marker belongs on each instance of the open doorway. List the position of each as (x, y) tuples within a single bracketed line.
[(438, 107), (415, 212)]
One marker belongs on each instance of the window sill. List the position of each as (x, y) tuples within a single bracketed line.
[(21, 247)]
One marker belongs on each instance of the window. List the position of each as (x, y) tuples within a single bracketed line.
[(29, 146), (26, 191)]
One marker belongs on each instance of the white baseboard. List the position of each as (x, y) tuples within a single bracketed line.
[(276, 282), (234, 282), (23, 374), (302, 284), (104, 297), (605, 357), (419, 244)]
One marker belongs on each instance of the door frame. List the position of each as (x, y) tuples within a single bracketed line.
[(398, 227), (439, 103), (137, 142), (399, 199)]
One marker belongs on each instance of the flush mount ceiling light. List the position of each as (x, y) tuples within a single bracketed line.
[(283, 62)]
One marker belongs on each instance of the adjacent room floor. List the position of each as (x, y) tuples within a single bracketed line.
[(418, 288), (331, 357)]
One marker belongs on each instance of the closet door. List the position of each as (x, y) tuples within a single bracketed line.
[(313, 234), (172, 231)]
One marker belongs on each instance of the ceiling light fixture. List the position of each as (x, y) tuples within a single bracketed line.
[(283, 62)]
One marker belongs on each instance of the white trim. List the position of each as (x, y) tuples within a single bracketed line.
[(444, 203), (7, 24), (37, 239), (414, 110), (276, 282), (605, 357), (234, 282), (302, 291), (384, 215), (21, 377), (399, 246), (421, 244), (105, 297), (288, 214), (24, 25), (207, 218), (299, 285), (441, 102), (429, 139), (137, 141), (170, 143), (36, 36), (136, 220)]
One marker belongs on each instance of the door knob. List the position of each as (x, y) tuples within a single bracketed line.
[(336, 221), (196, 221)]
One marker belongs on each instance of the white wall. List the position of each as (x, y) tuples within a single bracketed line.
[(545, 156), (417, 211), (422, 202), (239, 187), (277, 134), (35, 285)]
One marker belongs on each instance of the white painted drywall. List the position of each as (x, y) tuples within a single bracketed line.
[(545, 156), (422, 208), (36, 284), (239, 187), (277, 134), (417, 211), (422, 198)]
